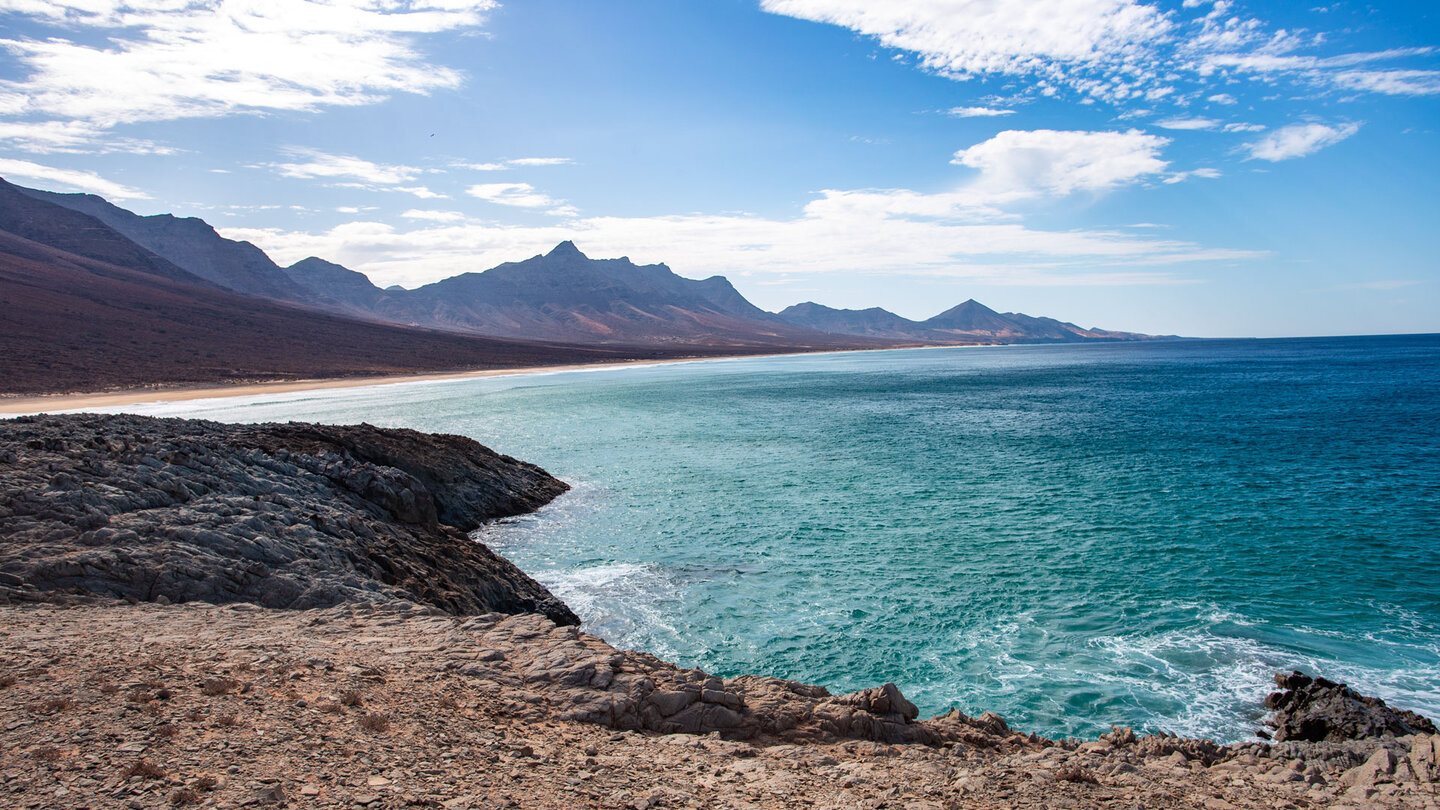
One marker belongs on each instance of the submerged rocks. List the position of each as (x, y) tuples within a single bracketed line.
[(289, 516), (1316, 709)]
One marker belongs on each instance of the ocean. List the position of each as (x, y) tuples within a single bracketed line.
[(1072, 536)]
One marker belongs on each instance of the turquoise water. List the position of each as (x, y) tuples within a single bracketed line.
[(1072, 536)]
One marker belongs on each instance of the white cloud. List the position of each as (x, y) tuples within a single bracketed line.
[(510, 164), (434, 216), (1180, 177), (1392, 82), (957, 233), (518, 195), (539, 161), (72, 137), (73, 178), (1019, 163), (1240, 126), (1188, 123), (977, 112), (318, 164), (974, 37), (167, 59), (1119, 51), (422, 192), (1299, 140), (826, 238)]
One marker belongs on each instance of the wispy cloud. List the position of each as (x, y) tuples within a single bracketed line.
[(312, 163), (1299, 140), (977, 112), (1125, 52), (110, 62), (514, 163), (70, 178), (960, 233), (1022, 163), (519, 195), (1188, 123)]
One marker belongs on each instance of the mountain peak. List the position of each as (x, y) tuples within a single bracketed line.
[(564, 250)]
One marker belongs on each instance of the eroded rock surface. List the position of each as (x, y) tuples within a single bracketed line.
[(389, 705), (280, 515), (1315, 710)]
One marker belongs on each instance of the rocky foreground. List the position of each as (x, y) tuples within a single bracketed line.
[(430, 679)]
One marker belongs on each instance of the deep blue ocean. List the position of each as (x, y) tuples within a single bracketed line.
[(1071, 536)]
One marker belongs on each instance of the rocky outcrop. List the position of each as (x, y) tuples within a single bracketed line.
[(1315, 710), (289, 516)]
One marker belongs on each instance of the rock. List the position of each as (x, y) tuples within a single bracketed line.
[(1424, 758), (1315, 709), (288, 516), (1377, 768)]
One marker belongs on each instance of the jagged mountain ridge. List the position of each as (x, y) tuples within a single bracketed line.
[(970, 322), (85, 309), (561, 296), (191, 243)]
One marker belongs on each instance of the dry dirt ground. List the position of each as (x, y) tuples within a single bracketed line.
[(136, 706)]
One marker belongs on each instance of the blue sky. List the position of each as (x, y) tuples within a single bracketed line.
[(1198, 167)]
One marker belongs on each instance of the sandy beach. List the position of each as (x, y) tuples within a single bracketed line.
[(53, 403)]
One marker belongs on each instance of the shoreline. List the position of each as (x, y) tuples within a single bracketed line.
[(27, 405)]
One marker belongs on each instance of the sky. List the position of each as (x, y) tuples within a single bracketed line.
[(1195, 167)]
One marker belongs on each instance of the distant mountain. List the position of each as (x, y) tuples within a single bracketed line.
[(968, 323), (85, 309), (79, 234), (343, 287), (192, 244), (566, 296), (562, 296)]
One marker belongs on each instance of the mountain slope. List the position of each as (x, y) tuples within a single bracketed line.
[(565, 295), (192, 244), (77, 323), (968, 323)]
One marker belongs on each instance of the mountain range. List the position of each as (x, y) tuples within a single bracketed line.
[(132, 279)]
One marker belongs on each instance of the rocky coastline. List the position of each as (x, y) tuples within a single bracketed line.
[(194, 613)]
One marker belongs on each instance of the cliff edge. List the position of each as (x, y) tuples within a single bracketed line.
[(278, 515)]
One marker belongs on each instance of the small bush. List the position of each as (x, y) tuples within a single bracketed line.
[(47, 753), (1075, 773), (184, 796), (352, 697), (226, 720), (219, 686), (195, 715), (167, 731), (7, 681), (53, 705), (146, 770), (206, 783), (449, 702), (374, 722)]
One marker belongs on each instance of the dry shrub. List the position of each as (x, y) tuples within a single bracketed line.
[(226, 720), (151, 709), (47, 753), (164, 694), (206, 783), (145, 769), (219, 686), (184, 796), (7, 681), (167, 731), (1075, 773), (194, 715), (449, 702), (55, 704), (374, 722), (139, 696), (352, 697)]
